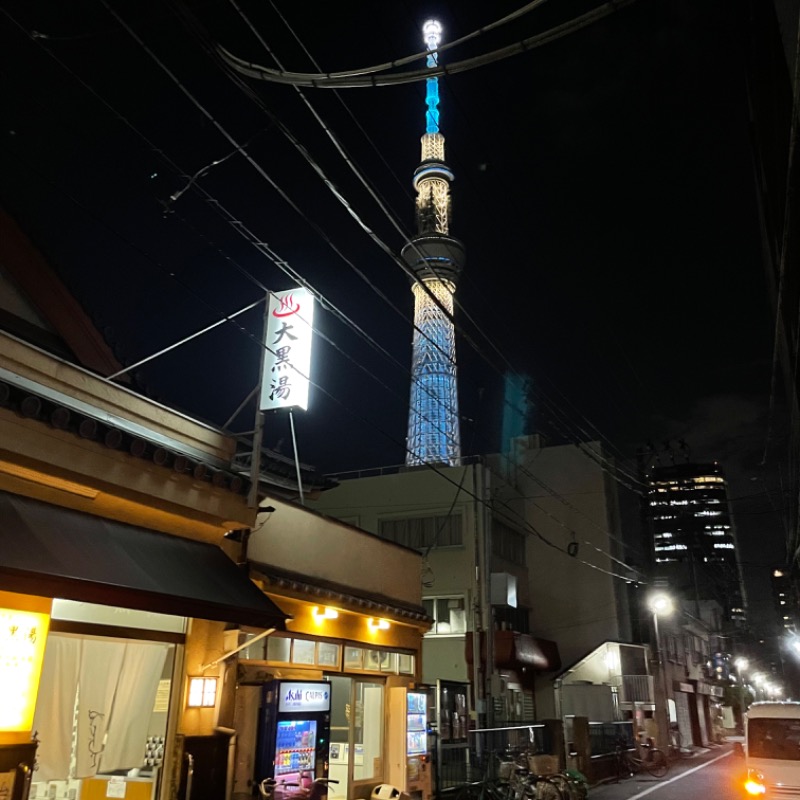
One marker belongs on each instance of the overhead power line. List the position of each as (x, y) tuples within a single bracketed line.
[(611, 468), (544, 539), (366, 78)]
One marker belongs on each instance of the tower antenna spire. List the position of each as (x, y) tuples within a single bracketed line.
[(436, 258)]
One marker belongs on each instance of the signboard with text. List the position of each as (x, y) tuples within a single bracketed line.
[(307, 697), (287, 360), (22, 639)]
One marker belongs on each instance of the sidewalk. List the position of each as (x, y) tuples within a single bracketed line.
[(627, 787)]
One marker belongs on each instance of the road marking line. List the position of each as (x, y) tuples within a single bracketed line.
[(678, 777)]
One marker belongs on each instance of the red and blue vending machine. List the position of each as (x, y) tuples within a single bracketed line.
[(293, 734)]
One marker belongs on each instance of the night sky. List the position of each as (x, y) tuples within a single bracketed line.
[(604, 191)]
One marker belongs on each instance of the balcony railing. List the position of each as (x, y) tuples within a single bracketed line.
[(637, 689)]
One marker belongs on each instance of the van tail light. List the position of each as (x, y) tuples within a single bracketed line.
[(754, 785)]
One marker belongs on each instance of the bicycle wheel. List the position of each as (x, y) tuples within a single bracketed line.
[(657, 765)]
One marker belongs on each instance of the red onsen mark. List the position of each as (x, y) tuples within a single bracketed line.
[(287, 307)]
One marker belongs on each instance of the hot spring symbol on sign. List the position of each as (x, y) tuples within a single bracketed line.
[(287, 360)]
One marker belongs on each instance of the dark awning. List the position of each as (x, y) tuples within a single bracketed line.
[(50, 551)]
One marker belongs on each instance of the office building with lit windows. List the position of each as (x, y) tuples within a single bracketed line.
[(693, 543), (786, 599)]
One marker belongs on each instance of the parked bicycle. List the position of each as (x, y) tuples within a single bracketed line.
[(523, 784), (652, 761)]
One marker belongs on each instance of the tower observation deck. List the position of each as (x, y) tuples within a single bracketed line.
[(436, 259)]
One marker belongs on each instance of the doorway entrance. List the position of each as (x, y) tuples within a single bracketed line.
[(356, 747)]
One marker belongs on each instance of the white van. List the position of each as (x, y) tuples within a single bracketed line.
[(772, 749)]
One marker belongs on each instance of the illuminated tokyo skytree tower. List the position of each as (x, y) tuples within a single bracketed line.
[(436, 259)]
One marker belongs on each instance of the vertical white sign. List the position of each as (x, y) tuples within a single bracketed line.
[(287, 360)]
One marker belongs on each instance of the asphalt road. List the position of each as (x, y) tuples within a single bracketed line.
[(714, 774)]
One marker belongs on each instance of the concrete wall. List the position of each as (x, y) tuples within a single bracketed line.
[(573, 604), (413, 494), (307, 543), (444, 659)]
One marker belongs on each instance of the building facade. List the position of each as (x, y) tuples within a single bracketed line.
[(693, 536), (136, 628), (495, 537)]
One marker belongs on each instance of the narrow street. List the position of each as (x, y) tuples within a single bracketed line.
[(714, 774)]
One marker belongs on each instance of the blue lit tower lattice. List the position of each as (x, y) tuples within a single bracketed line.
[(436, 259)]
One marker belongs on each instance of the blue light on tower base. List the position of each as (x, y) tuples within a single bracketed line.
[(436, 259)]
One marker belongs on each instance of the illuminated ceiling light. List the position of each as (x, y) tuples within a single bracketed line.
[(378, 624), (325, 613), (202, 693)]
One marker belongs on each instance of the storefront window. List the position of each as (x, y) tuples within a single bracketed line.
[(405, 663), (303, 651), (328, 655), (279, 649), (335, 657), (353, 658)]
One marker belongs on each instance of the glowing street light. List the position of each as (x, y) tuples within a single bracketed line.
[(741, 664), (661, 605)]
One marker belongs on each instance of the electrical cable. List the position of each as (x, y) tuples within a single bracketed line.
[(594, 456), (340, 197), (593, 566), (358, 79), (238, 225), (352, 166), (328, 131)]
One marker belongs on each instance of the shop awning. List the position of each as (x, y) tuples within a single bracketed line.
[(50, 551)]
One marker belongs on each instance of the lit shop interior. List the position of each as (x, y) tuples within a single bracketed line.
[(103, 703)]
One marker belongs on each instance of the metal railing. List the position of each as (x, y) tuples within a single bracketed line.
[(637, 689), (604, 736), (486, 748)]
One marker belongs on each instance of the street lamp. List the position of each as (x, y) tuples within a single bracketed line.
[(741, 665), (661, 605)]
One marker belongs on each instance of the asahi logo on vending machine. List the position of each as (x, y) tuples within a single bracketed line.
[(304, 697)]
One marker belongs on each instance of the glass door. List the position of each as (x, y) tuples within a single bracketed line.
[(356, 741)]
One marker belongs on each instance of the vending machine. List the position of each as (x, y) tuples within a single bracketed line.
[(409, 760), (293, 734)]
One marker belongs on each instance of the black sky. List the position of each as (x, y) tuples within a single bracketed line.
[(603, 188)]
